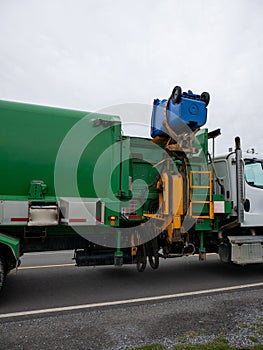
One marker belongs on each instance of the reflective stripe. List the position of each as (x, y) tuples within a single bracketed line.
[(77, 220), (19, 219)]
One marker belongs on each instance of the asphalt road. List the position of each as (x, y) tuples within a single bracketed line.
[(52, 304)]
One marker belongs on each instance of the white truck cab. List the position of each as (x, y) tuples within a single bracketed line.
[(225, 167), (253, 206), (240, 178)]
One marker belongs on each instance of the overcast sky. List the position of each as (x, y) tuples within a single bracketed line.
[(95, 54)]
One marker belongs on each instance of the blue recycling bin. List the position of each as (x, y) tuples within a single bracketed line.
[(189, 113)]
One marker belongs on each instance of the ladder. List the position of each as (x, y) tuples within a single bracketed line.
[(204, 192)]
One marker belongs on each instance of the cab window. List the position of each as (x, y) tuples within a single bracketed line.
[(254, 173)]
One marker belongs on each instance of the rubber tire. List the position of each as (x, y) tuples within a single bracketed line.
[(176, 94), (224, 252), (154, 261), (205, 97), (141, 265), (2, 273)]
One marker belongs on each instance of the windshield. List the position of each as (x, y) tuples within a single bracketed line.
[(254, 172)]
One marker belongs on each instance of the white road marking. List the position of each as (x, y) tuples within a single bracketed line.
[(49, 252), (44, 266), (129, 301)]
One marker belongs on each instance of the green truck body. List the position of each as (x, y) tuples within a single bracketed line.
[(52, 153), (31, 137), (71, 180)]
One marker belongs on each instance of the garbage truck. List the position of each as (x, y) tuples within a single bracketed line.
[(71, 179)]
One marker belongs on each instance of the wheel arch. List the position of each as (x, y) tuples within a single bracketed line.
[(9, 251)]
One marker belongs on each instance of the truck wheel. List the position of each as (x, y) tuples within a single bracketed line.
[(154, 261), (205, 97), (141, 265), (141, 258), (153, 255), (176, 94), (2, 273), (224, 251)]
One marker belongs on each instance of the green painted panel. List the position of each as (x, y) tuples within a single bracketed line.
[(32, 138), (201, 141), (11, 242), (145, 157)]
